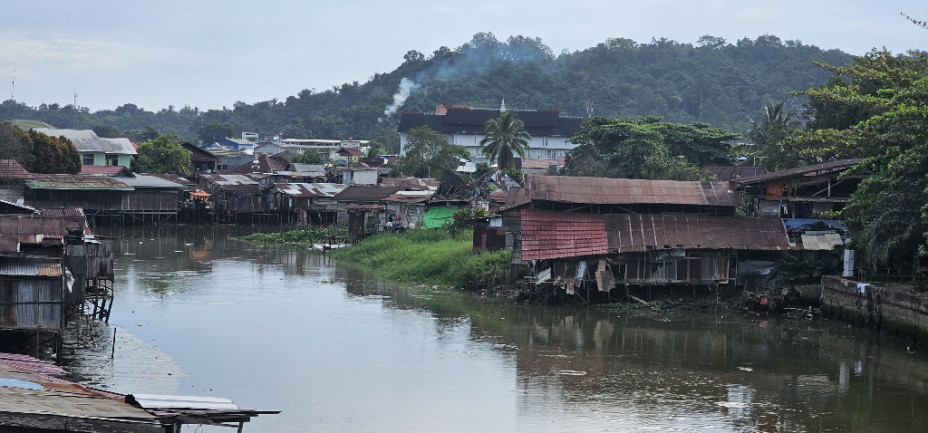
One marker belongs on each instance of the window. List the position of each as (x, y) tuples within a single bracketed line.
[(87, 159)]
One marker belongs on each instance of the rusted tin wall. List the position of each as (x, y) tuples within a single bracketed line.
[(31, 303), (151, 200)]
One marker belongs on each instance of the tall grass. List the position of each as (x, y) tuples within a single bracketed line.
[(431, 257), (303, 236)]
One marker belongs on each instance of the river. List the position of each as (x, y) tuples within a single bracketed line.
[(339, 350)]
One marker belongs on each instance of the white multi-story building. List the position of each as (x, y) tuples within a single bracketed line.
[(464, 126)]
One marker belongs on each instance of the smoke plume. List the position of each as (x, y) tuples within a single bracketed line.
[(406, 87)]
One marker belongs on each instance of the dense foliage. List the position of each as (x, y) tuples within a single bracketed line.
[(300, 237), (713, 81), (15, 144), (162, 155), (428, 154), (877, 109), (647, 149), (54, 154)]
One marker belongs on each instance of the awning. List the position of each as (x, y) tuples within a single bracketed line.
[(199, 194), (436, 216)]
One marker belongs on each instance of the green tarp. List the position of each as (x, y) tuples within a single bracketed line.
[(436, 216)]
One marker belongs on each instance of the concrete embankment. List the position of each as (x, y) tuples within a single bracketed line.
[(892, 311)]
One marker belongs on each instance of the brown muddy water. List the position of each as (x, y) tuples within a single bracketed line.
[(340, 350)]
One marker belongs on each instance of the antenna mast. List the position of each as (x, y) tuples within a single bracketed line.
[(13, 93)]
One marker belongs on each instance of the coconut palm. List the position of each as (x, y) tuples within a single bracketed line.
[(776, 126), (505, 136)]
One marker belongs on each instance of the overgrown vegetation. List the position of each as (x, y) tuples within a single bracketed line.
[(431, 257), (299, 237)]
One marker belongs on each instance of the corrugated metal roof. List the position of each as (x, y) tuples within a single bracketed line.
[(729, 172), (11, 169), (107, 170), (549, 235), (638, 233), (68, 403), (142, 181), (327, 190), (308, 168), (85, 140), (816, 169), (598, 190), (409, 197), (228, 179), (29, 268), (154, 401), (820, 241), (365, 193), (76, 181)]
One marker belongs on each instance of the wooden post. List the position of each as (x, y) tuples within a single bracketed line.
[(113, 349)]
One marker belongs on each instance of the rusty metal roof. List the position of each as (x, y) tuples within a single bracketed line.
[(409, 197), (549, 235), (409, 183), (638, 233), (29, 268), (599, 190), (36, 229), (810, 170), (10, 169), (42, 398), (76, 181), (365, 193), (308, 190), (107, 170)]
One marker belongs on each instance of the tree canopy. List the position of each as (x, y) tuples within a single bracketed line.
[(212, 132), (646, 149), (54, 155), (16, 144), (428, 153), (505, 137), (877, 108), (162, 154)]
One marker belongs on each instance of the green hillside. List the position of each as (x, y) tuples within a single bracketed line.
[(714, 81)]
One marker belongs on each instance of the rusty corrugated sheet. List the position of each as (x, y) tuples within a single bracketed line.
[(365, 193), (549, 235), (638, 233), (29, 268), (76, 181), (597, 190), (809, 170)]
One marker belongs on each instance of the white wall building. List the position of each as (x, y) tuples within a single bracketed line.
[(464, 126)]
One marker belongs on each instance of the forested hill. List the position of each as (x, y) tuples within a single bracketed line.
[(713, 81)]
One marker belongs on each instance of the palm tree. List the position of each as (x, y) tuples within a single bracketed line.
[(775, 127), (505, 136)]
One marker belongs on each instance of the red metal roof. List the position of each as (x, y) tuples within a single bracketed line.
[(107, 170), (599, 190), (549, 235), (365, 193), (10, 169), (638, 233)]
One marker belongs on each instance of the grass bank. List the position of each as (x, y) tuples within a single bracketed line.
[(431, 257)]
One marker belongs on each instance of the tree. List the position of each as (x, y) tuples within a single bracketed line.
[(162, 155), (428, 153), (771, 133), (309, 156), (505, 136), (54, 154), (887, 96), (212, 132), (16, 144), (145, 134), (646, 149)]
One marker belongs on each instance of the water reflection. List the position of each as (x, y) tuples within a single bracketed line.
[(340, 349)]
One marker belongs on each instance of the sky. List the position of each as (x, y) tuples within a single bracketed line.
[(210, 53)]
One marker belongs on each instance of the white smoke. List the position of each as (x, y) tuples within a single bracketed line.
[(406, 87)]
